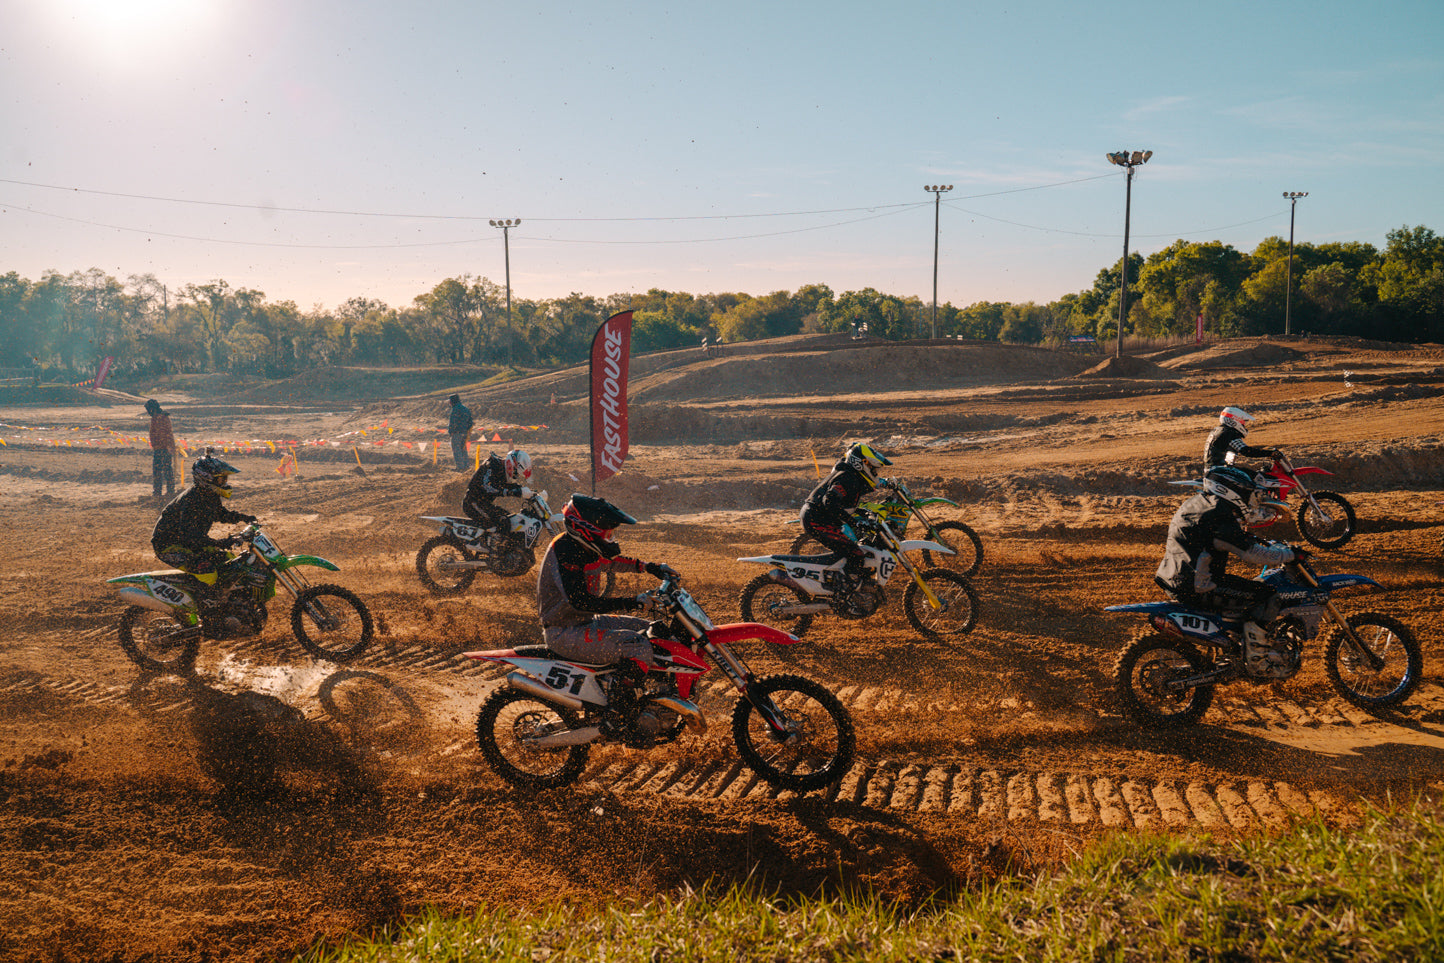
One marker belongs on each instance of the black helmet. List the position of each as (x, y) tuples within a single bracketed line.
[(1233, 485), (866, 459), (591, 521), (153, 406), (212, 474)]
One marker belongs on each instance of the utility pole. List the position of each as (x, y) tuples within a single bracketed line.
[(1293, 198), (1124, 159), (937, 191), (506, 227)]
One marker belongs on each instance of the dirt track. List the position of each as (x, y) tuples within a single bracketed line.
[(269, 801)]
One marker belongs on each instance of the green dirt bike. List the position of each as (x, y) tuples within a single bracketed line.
[(161, 630), (897, 507)]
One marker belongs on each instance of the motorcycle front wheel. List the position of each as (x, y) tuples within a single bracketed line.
[(967, 548), (818, 743), (331, 623), (959, 612), (506, 725), (1390, 640), (158, 641), (763, 599), (437, 552), (1331, 531), (1142, 674)]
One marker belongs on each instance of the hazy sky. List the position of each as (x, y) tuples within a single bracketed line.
[(318, 151)]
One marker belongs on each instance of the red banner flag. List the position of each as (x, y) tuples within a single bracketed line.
[(104, 370), (611, 356)]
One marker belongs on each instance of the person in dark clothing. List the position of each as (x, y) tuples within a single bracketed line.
[(162, 449), (576, 623), (182, 535), (1205, 531), (497, 476), (459, 426), (825, 514), (1226, 441)]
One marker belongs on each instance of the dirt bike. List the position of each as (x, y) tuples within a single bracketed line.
[(447, 563), (536, 729), (1325, 519), (1166, 675), (161, 630), (897, 507), (796, 588)]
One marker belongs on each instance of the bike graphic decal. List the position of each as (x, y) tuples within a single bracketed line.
[(167, 593), (465, 532), (1194, 624)]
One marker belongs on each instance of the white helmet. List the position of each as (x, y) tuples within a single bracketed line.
[(1236, 418), (518, 466)]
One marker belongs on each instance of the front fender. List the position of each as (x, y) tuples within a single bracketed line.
[(936, 500), (292, 561), (742, 631), (921, 545), (1312, 470)]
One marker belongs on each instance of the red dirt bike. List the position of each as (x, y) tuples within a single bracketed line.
[(1325, 519), (536, 728)]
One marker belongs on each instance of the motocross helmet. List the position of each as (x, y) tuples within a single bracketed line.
[(591, 521), (866, 460), (1233, 485), (212, 474), (1235, 418), (518, 466)]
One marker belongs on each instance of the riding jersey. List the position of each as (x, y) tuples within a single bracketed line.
[(1225, 439), (487, 483), (1202, 535), (187, 521), (562, 596)]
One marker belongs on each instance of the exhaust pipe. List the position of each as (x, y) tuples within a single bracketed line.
[(803, 608), (696, 721), (531, 686), (570, 737), (145, 600)]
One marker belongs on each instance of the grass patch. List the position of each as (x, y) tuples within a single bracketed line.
[(1312, 893)]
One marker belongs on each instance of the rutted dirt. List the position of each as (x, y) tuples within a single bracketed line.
[(269, 801)]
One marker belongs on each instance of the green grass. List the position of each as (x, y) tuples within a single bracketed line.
[(1313, 893)]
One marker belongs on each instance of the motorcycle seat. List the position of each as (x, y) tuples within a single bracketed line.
[(827, 558)]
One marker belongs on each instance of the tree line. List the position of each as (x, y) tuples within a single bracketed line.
[(63, 324)]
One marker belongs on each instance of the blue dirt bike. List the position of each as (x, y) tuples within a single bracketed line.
[(1166, 675)]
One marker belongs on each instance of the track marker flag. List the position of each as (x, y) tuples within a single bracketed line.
[(611, 358)]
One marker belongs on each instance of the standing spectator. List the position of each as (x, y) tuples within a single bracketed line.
[(162, 449), (459, 428)]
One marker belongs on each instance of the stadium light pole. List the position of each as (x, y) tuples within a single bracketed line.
[(506, 227), (1293, 197), (1127, 160), (937, 191)]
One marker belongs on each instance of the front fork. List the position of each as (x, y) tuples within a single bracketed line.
[(741, 677), (1372, 659)]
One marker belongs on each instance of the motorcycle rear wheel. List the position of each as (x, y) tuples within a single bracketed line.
[(158, 641), (965, 543), (506, 720), (1386, 637), (1144, 667), (762, 597), (819, 754), (1332, 532), (331, 623), (436, 581), (959, 613)]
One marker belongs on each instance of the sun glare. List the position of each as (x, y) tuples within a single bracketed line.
[(125, 29)]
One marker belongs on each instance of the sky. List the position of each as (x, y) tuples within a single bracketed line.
[(320, 150)]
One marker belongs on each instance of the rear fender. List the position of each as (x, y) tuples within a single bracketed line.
[(782, 577), (572, 681)]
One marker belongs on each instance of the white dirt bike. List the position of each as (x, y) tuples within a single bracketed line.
[(161, 630), (447, 563), (537, 728), (939, 602)]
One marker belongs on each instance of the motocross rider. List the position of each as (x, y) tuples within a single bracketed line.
[(825, 512), (1204, 532), (182, 535), (577, 624), (497, 476), (1227, 439)]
